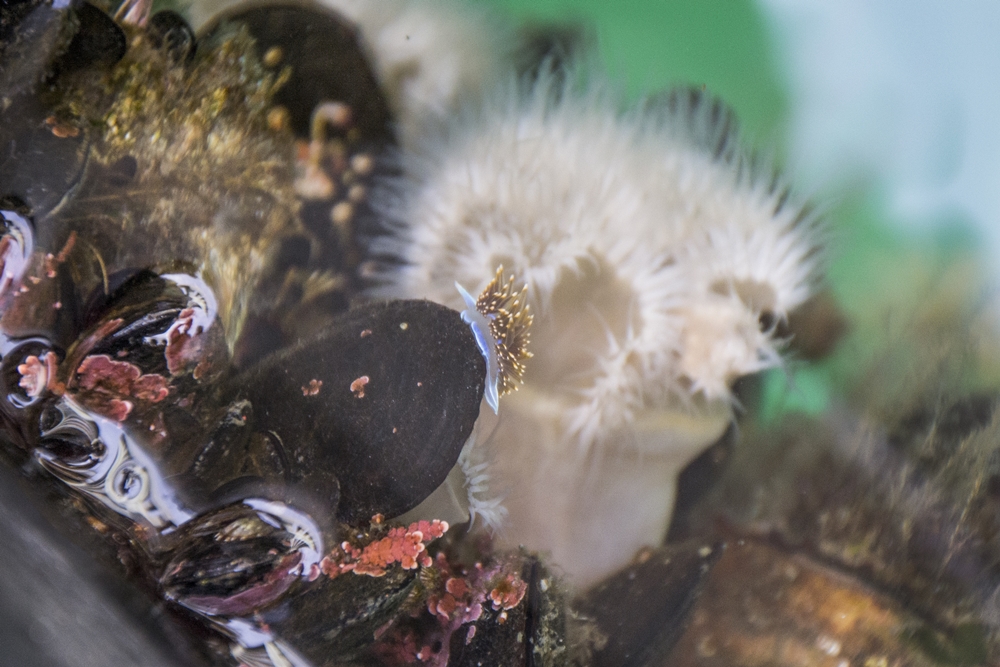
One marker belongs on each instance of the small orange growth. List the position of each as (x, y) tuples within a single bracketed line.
[(96, 524), (366, 333), (358, 386), (53, 261), (37, 375), (312, 388), (61, 130), (406, 546), (508, 593)]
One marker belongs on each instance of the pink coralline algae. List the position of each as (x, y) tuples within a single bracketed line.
[(185, 343), (508, 592), (110, 384), (405, 546), (457, 604), (468, 593)]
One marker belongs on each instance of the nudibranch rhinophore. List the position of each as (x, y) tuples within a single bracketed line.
[(658, 256)]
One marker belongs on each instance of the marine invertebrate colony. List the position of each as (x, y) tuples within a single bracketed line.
[(152, 376), (659, 258)]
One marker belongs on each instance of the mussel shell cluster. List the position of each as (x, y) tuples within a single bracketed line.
[(186, 385), (180, 361)]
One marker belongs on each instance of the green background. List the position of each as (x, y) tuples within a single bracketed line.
[(729, 47), (653, 44)]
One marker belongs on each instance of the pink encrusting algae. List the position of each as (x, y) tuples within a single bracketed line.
[(405, 546), (448, 598), (109, 384), (458, 603)]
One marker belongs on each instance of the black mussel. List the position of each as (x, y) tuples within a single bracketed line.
[(44, 145), (326, 59), (502, 609), (331, 101), (386, 398), (338, 618), (33, 33), (37, 296), (153, 344), (169, 30), (530, 631), (98, 41), (641, 611), (242, 558), (129, 404), (42, 155)]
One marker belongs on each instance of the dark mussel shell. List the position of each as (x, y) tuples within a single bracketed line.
[(534, 632), (169, 30), (642, 609), (32, 34), (386, 399), (333, 619), (43, 152), (332, 102), (99, 41), (239, 559), (326, 61)]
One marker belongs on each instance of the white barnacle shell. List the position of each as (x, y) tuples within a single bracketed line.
[(653, 248)]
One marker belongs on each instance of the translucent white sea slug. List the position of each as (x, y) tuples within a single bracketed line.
[(657, 257)]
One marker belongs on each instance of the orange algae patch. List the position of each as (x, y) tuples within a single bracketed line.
[(358, 386), (312, 388), (405, 546), (508, 592)]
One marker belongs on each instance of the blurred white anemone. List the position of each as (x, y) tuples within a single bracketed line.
[(657, 258)]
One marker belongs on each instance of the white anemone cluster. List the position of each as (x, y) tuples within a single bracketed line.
[(657, 258)]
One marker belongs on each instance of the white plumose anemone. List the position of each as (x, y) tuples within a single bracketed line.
[(652, 250)]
